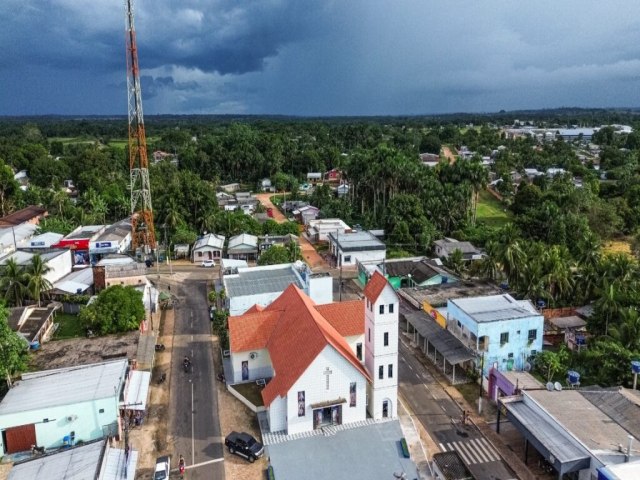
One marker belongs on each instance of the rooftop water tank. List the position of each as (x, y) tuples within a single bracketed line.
[(635, 366), (574, 377)]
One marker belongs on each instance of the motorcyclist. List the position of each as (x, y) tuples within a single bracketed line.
[(181, 464), (186, 360)]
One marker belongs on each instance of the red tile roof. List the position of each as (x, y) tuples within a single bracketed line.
[(255, 309), (374, 286), (251, 331), (346, 317), (295, 332)]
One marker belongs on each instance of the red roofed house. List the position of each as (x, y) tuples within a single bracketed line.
[(327, 364)]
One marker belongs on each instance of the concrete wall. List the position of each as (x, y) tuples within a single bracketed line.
[(60, 266), (278, 415), (87, 426), (353, 341), (314, 383), (366, 256), (320, 288), (259, 367)]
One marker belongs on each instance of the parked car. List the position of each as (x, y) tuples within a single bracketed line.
[(244, 445), (163, 467), (208, 263)]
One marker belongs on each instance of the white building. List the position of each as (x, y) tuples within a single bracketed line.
[(325, 364), (250, 286), (12, 238), (352, 247), (43, 241), (60, 262), (115, 238), (52, 408), (319, 230), (208, 247), (243, 247)]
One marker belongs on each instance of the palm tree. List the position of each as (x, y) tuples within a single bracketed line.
[(13, 283), (609, 302), (627, 332), (37, 284), (489, 267), (455, 261)]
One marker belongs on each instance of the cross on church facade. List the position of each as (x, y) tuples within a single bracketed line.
[(327, 372)]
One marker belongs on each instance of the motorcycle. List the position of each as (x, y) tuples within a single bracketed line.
[(220, 377), (186, 364), (162, 378), (181, 466), (159, 347), (37, 450)]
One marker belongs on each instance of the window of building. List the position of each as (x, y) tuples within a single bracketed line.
[(390, 371), (391, 308), (347, 259), (369, 334), (381, 372), (533, 334), (504, 338), (381, 309), (359, 351), (510, 355), (386, 339)]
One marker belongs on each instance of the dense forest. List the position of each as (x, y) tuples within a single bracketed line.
[(549, 247)]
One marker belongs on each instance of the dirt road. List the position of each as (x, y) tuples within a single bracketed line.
[(308, 252)]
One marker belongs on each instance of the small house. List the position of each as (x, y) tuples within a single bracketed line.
[(243, 247), (266, 186), (333, 176), (349, 248), (207, 247), (314, 177), (445, 247), (305, 214), (318, 230)]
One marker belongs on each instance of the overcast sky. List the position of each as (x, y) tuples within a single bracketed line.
[(315, 57)]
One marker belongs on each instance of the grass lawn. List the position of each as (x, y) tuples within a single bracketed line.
[(491, 211), (69, 327)]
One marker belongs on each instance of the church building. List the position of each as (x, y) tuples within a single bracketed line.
[(324, 365)]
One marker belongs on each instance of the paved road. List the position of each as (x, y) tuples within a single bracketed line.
[(441, 417), (194, 422)]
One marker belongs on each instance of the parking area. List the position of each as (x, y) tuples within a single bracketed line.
[(371, 452)]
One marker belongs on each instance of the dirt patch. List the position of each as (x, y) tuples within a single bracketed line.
[(236, 416), (4, 470), (84, 351)]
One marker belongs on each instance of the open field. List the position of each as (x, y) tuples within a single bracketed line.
[(490, 211)]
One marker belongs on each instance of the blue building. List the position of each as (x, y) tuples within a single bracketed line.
[(502, 330)]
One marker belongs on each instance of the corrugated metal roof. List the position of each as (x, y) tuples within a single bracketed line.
[(243, 241), (254, 281), (79, 463), (65, 386), (210, 240), (495, 308)]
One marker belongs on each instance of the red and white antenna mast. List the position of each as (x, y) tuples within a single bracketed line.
[(143, 234)]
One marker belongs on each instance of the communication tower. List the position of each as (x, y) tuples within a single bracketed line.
[(143, 236)]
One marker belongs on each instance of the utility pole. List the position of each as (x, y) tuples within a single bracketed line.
[(481, 379)]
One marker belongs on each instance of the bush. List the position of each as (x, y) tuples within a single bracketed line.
[(405, 448), (270, 474), (117, 309)]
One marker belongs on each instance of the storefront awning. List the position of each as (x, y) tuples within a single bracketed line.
[(137, 391)]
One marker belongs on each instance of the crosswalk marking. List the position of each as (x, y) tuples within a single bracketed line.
[(475, 450)]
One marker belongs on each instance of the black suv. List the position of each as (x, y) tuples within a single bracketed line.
[(244, 445)]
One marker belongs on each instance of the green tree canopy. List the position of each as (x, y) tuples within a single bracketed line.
[(13, 348), (116, 309), (275, 255)]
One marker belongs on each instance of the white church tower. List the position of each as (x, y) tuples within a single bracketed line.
[(381, 347)]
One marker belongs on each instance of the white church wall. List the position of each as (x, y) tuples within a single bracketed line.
[(257, 367), (353, 342), (278, 415), (313, 382)]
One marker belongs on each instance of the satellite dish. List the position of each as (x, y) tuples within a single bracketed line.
[(527, 367), (550, 386), (557, 386)]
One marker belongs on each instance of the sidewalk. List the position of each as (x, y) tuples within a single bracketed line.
[(418, 440)]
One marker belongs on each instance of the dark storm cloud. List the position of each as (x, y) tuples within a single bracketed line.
[(320, 57)]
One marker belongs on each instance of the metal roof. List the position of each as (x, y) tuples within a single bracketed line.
[(450, 347), (65, 386), (77, 280), (210, 240), (243, 242), (572, 321), (83, 462), (621, 405), (253, 281), (87, 231), (357, 241), (495, 308), (554, 438)]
